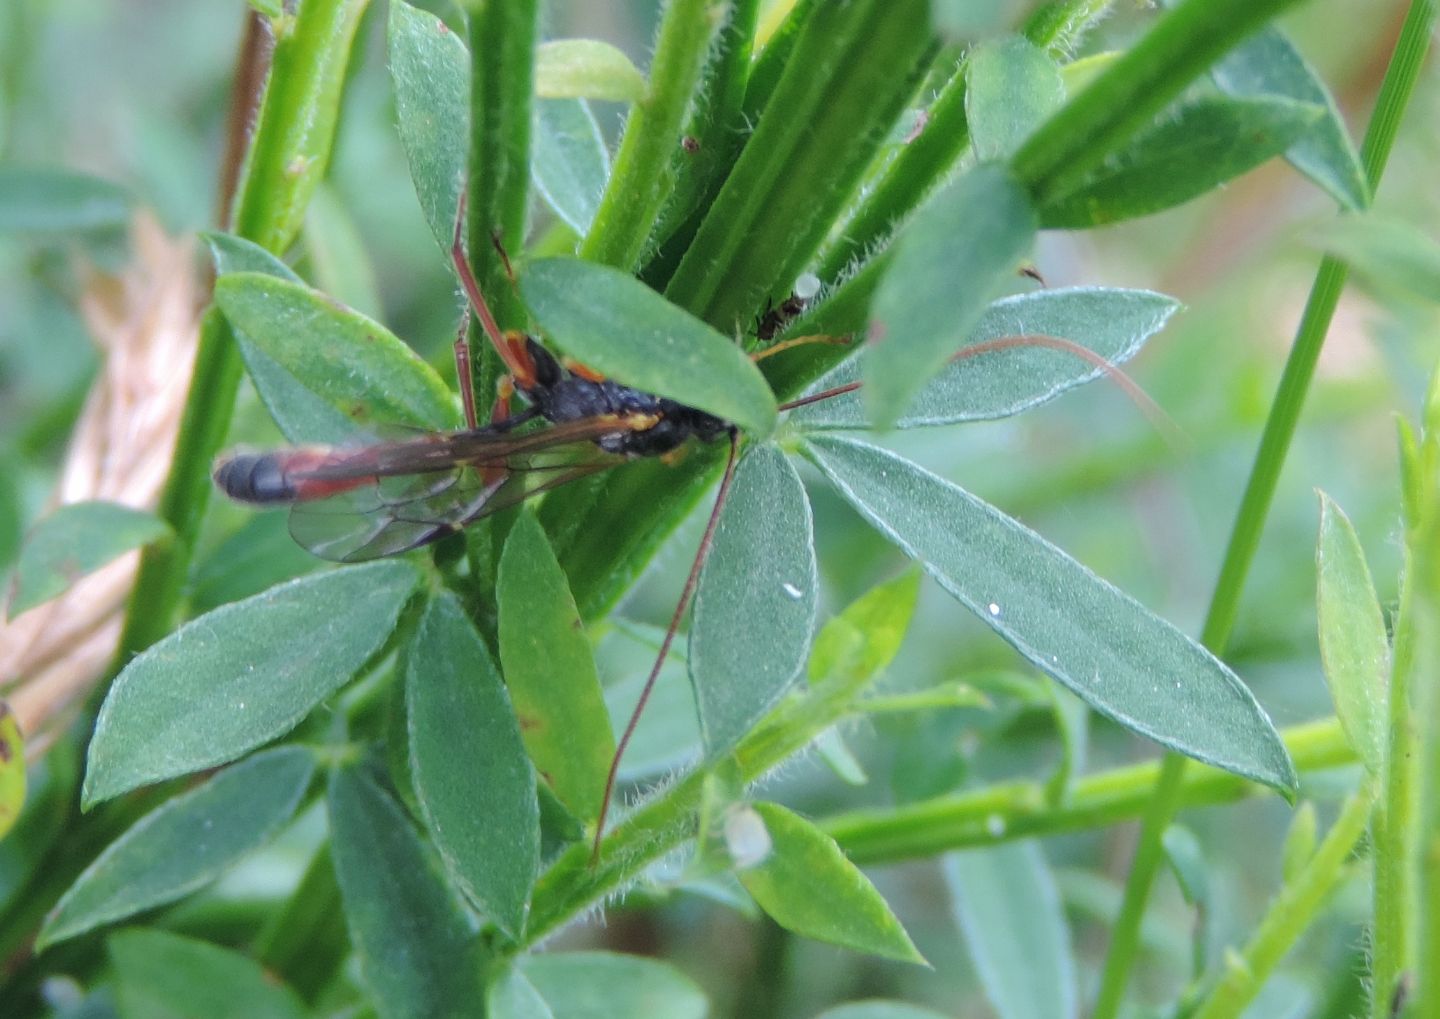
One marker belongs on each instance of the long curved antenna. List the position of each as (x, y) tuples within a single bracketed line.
[(686, 593), (1153, 412)]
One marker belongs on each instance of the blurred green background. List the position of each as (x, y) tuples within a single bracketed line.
[(136, 91)]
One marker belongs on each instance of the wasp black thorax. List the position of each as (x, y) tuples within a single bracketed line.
[(561, 396)]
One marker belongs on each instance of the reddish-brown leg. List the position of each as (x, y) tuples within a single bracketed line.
[(685, 594), (463, 378), (510, 347)]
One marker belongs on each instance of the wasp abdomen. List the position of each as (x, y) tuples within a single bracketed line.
[(258, 478)]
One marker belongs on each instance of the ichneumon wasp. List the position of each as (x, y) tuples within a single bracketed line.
[(350, 504)]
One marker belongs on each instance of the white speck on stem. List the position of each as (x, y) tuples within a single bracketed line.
[(746, 837)]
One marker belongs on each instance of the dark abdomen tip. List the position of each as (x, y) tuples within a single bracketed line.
[(257, 478)]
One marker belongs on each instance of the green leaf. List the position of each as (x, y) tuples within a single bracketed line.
[(73, 541), (1117, 656), (235, 678), (864, 638), (475, 785), (1012, 85), (571, 166), (335, 252), (236, 254), (351, 362), (511, 996), (1354, 646), (1008, 907), (550, 671), (1196, 148), (270, 8), (806, 885), (12, 771), (586, 69), (755, 604), (1268, 64), (301, 415), (55, 201), (617, 325), (430, 69), (160, 975), (417, 952), (185, 843), (597, 985), (1392, 255), (667, 737), (949, 261), (1114, 324)]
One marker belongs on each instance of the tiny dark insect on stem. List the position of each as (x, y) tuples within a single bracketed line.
[(387, 498)]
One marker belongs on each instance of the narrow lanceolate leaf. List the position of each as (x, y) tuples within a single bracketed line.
[(571, 166), (863, 639), (162, 974), (949, 261), (585, 984), (475, 785), (806, 885), (1117, 656), (185, 843), (1012, 85), (351, 362), (73, 541), (12, 769), (52, 200), (755, 606), (586, 69), (416, 949), (1269, 65), (550, 671), (1009, 909), (617, 325), (301, 415), (1193, 150), (431, 73), (1113, 324), (1353, 643), (235, 678)]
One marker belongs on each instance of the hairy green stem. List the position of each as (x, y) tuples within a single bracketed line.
[(641, 178), (1290, 915), (288, 154), (1279, 431), (1020, 810), (1138, 85), (502, 40)]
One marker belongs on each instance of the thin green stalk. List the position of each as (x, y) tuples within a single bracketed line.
[(1126, 96), (1020, 810), (502, 40), (1394, 96), (1290, 915), (1425, 686), (641, 179), (287, 158)]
